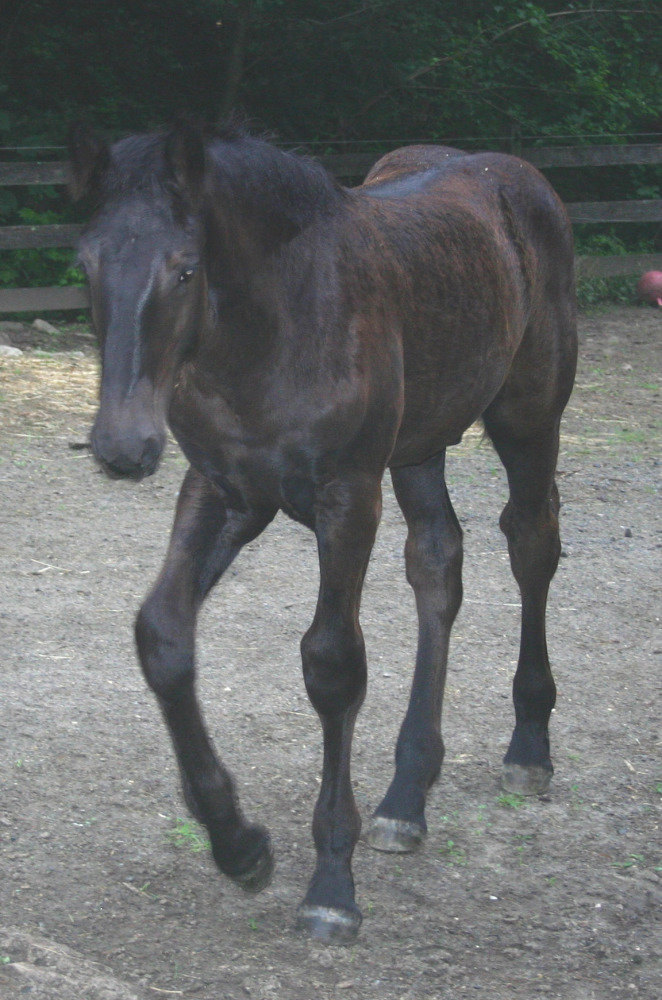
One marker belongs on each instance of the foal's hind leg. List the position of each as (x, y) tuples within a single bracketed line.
[(434, 569), (334, 667), (530, 524), (206, 536)]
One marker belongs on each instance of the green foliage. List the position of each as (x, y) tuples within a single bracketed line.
[(334, 70), (601, 244), (611, 240), (333, 73), (593, 293), (34, 268)]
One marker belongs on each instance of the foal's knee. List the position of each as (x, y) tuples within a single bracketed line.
[(165, 649), (334, 667)]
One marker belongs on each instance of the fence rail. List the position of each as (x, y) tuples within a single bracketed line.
[(38, 237), (347, 166)]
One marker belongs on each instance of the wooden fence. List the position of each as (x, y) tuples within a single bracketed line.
[(346, 167)]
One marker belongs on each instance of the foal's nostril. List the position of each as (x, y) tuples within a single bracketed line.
[(150, 456), (120, 467)]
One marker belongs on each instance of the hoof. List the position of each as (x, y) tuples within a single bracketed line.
[(259, 876), (397, 836), (324, 923), (534, 780)]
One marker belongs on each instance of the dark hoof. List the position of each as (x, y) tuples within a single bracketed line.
[(259, 876), (397, 836), (324, 923), (533, 780)]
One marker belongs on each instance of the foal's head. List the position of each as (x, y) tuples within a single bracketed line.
[(178, 215), (141, 253)]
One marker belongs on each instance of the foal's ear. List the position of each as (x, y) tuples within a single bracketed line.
[(187, 159), (89, 157)]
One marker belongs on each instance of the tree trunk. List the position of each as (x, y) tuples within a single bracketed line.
[(235, 65)]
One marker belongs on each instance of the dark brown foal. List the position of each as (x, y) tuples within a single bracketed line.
[(299, 339)]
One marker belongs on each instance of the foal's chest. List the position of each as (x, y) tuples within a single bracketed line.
[(254, 466)]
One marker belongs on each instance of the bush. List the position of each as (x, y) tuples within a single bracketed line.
[(595, 292)]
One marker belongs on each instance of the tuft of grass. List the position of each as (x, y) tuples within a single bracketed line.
[(511, 800), (482, 821), (631, 861), (188, 835), (453, 853), (625, 435)]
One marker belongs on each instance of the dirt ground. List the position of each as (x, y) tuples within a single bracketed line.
[(107, 892)]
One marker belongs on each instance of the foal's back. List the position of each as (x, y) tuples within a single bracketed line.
[(475, 259)]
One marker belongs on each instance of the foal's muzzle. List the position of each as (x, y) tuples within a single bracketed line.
[(127, 458), (129, 433)]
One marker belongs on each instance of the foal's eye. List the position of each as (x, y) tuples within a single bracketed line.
[(186, 275)]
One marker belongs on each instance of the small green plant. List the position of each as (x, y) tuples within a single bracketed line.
[(189, 836), (5, 959), (524, 841), (449, 817), (482, 821), (631, 861), (510, 800), (453, 853), (252, 923), (576, 800)]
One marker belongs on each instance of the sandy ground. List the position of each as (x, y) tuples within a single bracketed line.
[(107, 891)]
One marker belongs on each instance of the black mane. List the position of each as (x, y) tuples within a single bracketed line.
[(263, 175), (245, 169)]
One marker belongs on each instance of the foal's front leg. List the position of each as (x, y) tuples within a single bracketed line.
[(334, 666), (206, 537)]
